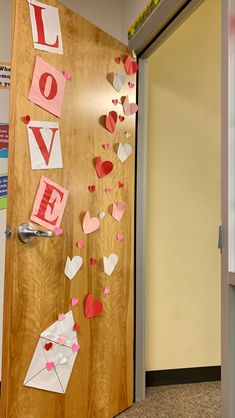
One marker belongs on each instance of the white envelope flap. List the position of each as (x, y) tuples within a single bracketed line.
[(63, 329)]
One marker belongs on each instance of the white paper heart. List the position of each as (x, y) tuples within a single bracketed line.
[(110, 263), (73, 266), (124, 151), (118, 81), (102, 215)]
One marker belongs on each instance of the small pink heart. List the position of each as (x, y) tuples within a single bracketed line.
[(120, 237), (67, 75), (80, 244), (50, 365), (61, 340), (131, 85), (75, 347), (106, 146), (108, 190), (115, 102), (121, 118), (106, 291), (74, 301), (58, 232), (61, 317)]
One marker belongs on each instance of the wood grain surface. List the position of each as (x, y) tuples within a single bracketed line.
[(36, 289)]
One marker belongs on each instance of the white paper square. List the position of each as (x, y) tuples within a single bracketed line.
[(49, 142), (51, 25)]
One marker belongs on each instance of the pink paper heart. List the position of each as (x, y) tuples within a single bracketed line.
[(129, 108), (115, 102), (120, 237), (119, 210), (75, 347), (131, 85), (90, 224), (106, 146), (58, 232), (106, 291), (67, 75), (61, 340), (50, 365), (108, 190), (74, 301), (80, 244), (131, 67), (61, 317), (111, 121)]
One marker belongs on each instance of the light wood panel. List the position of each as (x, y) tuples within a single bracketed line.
[(36, 289)]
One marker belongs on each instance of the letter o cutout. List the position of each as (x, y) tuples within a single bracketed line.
[(53, 88)]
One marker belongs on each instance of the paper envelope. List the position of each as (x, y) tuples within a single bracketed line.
[(63, 357)]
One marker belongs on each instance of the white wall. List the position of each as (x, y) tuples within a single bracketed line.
[(106, 14), (112, 16), (5, 55), (130, 11)]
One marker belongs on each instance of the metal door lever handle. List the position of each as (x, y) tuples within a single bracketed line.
[(27, 233)]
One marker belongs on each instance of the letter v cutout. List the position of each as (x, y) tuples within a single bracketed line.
[(44, 142)]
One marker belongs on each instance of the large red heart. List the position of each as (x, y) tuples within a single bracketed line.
[(103, 168), (92, 307), (131, 67), (111, 121)]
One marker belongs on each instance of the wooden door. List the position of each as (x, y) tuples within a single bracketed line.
[(36, 289)]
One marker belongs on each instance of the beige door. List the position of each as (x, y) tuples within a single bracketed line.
[(36, 288)]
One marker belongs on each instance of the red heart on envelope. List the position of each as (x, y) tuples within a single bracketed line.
[(131, 67), (103, 168), (48, 346), (92, 307), (110, 121)]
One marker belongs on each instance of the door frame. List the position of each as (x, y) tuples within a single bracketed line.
[(163, 22)]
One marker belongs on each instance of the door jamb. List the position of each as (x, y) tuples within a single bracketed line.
[(228, 303)]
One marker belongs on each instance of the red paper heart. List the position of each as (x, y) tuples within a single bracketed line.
[(92, 307), (110, 121), (48, 346), (26, 119), (121, 118), (76, 327), (120, 184), (115, 102), (103, 168), (118, 60), (93, 261), (131, 67), (91, 188)]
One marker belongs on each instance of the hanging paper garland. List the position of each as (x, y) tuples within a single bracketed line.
[(152, 4)]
